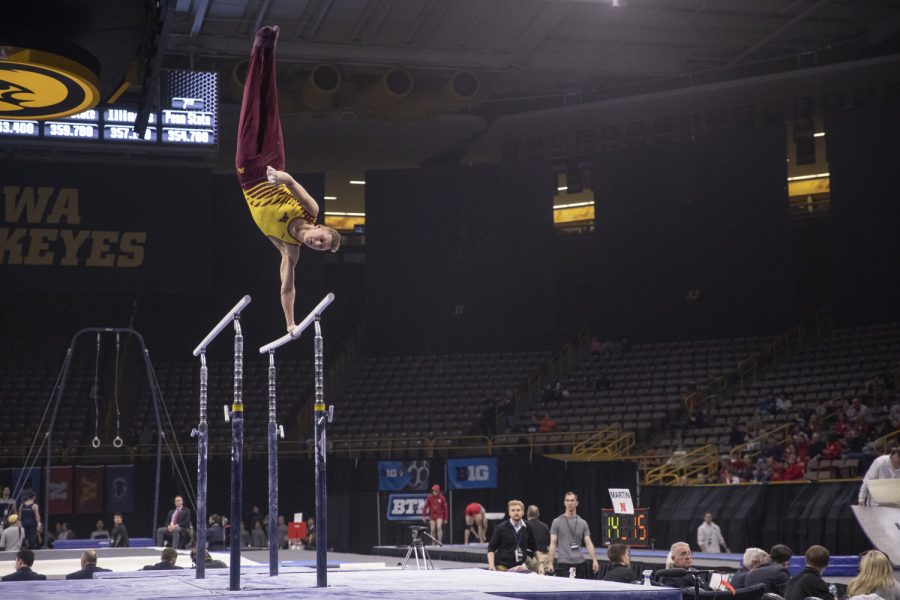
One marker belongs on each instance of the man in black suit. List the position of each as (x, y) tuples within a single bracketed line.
[(88, 566), (775, 573), (679, 572), (119, 534), (167, 562), (24, 560), (620, 569), (809, 583), (178, 522)]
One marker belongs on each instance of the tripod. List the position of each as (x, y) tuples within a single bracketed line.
[(417, 546)]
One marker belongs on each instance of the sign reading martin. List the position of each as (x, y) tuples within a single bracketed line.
[(397, 476), (472, 473)]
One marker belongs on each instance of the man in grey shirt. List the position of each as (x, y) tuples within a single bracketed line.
[(568, 533)]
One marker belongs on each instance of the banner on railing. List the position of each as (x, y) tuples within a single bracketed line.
[(398, 476), (405, 507), (59, 490), (471, 473), (120, 488)]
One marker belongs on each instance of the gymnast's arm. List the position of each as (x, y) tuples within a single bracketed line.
[(290, 254), (277, 177)]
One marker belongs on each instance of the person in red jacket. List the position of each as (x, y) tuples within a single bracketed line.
[(435, 508)]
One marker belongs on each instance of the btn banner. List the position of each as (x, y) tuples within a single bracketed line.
[(405, 507), (397, 476), (472, 473)]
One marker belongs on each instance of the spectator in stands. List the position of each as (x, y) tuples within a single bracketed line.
[(773, 573), (883, 467), (100, 532), (254, 517), (766, 406), (541, 537), (772, 448), (764, 471), (833, 449), (794, 470), (816, 445), (476, 523), (620, 569), (893, 415), (736, 437), (88, 566), (858, 409), (783, 404), (209, 562), (547, 424), (875, 577), (709, 536), (24, 562), (215, 533), (178, 523), (245, 536), (435, 509), (64, 532), (310, 541), (282, 532), (680, 558), (12, 537), (801, 444), (258, 538), (809, 583), (166, 562), (7, 504), (119, 534), (753, 558), (512, 542), (568, 533)]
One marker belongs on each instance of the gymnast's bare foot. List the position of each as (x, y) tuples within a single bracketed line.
[(266, 37)]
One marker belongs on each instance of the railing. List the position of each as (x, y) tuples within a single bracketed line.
[(884, 444), (684, 467), (753, 446), (609, 443)]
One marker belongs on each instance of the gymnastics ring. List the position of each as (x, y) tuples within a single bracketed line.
[(117, 443), (96, 442)]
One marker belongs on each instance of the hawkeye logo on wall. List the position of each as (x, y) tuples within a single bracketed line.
[(41, 85)]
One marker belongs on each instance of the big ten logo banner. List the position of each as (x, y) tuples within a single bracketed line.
[(396, 476), (99, 227), (472, 473), (405, 507)]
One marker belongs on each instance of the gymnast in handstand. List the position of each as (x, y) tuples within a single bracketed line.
[(281, 207)]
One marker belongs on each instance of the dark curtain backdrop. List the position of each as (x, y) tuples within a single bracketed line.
[(459, 259), (798, 515), (692, 238), (863, 158)]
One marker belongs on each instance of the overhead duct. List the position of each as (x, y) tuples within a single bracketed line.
[(237, 76), (387, 91), (455, 94), (318, 91)]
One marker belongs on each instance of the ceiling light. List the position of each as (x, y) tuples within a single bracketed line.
[(331, 213), (819, 134), (562, 188), (330, 197), (574, 205), (357, 182), (803, 177)]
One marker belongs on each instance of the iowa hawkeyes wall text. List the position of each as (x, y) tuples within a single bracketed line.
[(42, 225)]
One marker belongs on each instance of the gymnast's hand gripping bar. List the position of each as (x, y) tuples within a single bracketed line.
[(228, 318), (312, 316)]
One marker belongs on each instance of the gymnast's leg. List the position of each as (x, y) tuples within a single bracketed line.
[(259, 141)]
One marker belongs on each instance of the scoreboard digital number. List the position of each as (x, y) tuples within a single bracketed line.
[(632, 530), (187, 117)]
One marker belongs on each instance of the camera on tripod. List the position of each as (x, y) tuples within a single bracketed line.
[(416, 531)]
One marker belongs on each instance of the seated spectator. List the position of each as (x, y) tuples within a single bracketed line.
[(88, 566), (620, 564), (809, 583), (215, 533), (209, 562), (258, 538), (875, 577), (178, 524), (100, 532), (753, 558), (310, 541), (774, 573), (680, 558), (858, 409), (833, 449), (795, 470), (546, 424), (67, 534), (783, 404), (764, 471), (12, 537), (245, 536), (816, 445), (24, 562), (167, 561)]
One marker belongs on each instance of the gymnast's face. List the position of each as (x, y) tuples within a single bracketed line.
[(317, 238)]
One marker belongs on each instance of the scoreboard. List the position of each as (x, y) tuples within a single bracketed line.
[(187, 116), (632, 530)]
